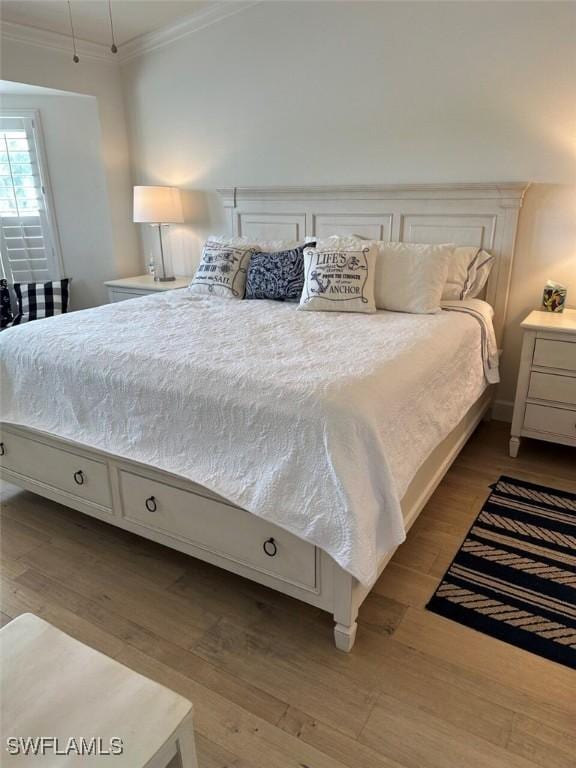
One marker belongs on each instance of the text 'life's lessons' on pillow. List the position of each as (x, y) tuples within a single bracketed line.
[(410, 277), (339, 279), (222, 269), (277, 276)]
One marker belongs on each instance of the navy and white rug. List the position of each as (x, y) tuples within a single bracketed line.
[(514, 577)]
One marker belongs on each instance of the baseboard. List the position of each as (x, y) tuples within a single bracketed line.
[(502, 410)]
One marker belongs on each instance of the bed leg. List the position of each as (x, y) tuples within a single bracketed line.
[(346, 604), (514, 446), (344, 636)]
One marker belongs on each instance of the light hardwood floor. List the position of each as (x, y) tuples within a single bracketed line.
[(269, 689)]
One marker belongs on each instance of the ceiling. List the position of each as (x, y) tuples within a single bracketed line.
[(132, 18)]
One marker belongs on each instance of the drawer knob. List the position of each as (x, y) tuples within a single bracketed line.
[(270, 547), (151, 505), (79, 477), (2, 450)]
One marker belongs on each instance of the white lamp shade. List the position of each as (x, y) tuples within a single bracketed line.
[(157, 205)]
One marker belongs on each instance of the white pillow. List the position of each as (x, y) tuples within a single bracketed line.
[(339, 278), (483, 267), (266, 246), (410, 277), (468, 270), (222, 269)]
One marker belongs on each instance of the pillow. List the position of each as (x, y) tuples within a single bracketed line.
[(269, 246), (339, 279), (468, 270), (276, 275), (222, 269), (484, 266), (5, 305), (38, 300), (410, 277)]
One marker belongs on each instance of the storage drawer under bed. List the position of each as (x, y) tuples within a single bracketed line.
[(218, 527), (85, 478)]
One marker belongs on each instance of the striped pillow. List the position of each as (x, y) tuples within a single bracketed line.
[(468, 270), (38, 300)]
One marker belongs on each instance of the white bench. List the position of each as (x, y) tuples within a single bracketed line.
[(79, 700)]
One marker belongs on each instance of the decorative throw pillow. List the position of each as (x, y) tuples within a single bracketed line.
[(468, 270), (338, 278), (222, 269), (5, 305), (410, 277), (38, 300), (276, 275)]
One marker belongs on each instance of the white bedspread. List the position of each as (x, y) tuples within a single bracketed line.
[(316, 421)]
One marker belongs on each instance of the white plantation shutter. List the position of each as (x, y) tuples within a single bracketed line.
[(28, 243)]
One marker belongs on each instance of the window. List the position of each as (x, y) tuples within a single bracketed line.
[(28, 240)]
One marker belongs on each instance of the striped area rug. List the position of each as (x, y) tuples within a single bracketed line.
[(514, 577)]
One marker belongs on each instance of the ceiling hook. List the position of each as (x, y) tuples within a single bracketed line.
[(113, 47), (75, 58)]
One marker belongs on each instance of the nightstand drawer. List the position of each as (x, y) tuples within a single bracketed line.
[(547, 386), (141, 285), (124, 295), (555, 354), (545, 418)]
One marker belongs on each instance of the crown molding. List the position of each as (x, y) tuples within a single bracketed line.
[(139, 46), (43, 38), (205, 17)]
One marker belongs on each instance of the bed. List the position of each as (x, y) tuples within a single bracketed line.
[(292, 448)]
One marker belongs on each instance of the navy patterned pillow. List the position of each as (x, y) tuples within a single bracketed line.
[(5, 305), (276, 275)]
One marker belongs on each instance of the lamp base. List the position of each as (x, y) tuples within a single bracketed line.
[(163, 279)]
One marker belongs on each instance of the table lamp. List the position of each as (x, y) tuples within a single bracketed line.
[(158, 206)]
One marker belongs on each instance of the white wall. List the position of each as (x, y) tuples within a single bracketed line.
[(72, 140), (545, 248), (111, 250), (371, 92)]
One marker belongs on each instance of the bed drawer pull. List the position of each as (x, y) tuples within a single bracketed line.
[(151, 505), (79, 477), (270, 547), (2, 450)]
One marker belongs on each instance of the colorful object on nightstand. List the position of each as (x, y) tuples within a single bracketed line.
[(554, 297)]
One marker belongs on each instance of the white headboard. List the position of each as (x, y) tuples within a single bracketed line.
[(485, 215)]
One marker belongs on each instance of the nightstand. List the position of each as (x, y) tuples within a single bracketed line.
[(545, 406), (130, 287)]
